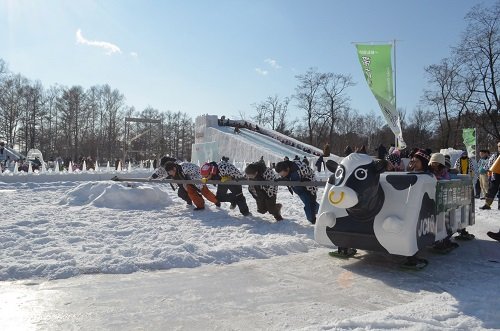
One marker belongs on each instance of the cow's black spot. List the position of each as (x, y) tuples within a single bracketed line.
[(401, 182), (331, 165), (426, 222)]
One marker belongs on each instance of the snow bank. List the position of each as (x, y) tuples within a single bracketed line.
[(117, 196), (108, 227)]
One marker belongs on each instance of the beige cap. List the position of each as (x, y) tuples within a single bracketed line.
[(438, 158)]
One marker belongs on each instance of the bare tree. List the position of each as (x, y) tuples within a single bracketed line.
[(444, 78), (334, 98), (420, 129), (70, 106), (11, 105), (4, 70), (33, 105), (479, 51), (48, 127), (307, 96), (272, 113)]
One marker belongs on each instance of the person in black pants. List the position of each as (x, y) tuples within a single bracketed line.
[(300, 172), (225, 171), (161, 173), (264, 195), (494, 187)]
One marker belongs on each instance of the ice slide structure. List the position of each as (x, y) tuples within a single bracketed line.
[(213, 141)]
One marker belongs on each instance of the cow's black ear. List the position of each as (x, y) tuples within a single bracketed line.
[(380, 165), (331, 165)]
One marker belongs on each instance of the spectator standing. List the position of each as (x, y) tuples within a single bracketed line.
[(319, 163), (494, 184), (326, 150), (484, 155)]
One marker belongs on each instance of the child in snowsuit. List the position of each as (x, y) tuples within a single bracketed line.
[(298, 171), (188, 170), (264, 195), (225, 171)]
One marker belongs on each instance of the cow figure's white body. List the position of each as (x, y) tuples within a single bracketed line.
[(408, 220)]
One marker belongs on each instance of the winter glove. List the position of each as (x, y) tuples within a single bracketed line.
[(225, 178)]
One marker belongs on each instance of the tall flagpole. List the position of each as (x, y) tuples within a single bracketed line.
[(395, 85)]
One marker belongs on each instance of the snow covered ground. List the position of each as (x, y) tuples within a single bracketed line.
[(105, 255)]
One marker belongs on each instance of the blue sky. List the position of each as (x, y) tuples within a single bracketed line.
[(219, 57)]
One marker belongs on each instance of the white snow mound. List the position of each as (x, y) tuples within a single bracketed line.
[(117, 196)]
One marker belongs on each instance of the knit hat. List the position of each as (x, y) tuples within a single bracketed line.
[(438, 158), (422, 156)]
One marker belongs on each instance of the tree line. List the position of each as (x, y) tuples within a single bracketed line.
[(73, 122)]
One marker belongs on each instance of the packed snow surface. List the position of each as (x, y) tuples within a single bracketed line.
[(81, 255)]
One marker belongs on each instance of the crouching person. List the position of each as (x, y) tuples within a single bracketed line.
[(188, 171), (161, 173), (300, 172), (264, 195), (225, 171)]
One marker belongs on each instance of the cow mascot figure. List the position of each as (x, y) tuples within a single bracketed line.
[(396, 213)]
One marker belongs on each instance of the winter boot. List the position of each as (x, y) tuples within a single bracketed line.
[(464, 235), (278, 218), (277, 213), (444, 246), (487, 204), (233, 205), (415, 263), (343, 252), (494, 235)]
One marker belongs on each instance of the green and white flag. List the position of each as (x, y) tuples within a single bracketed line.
[(469, 137), (376, 64)]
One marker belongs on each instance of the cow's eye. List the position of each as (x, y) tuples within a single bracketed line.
[(361, 174), (339, 173)]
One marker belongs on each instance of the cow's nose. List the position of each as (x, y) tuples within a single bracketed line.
[(335, 201), (342, 197)]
